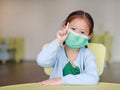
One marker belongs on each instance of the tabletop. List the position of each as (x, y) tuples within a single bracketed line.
[(36, 86)]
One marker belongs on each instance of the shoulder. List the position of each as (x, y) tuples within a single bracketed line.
[(87, 53)]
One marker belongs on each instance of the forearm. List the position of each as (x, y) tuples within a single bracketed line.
[(47, 56), (82, 79)]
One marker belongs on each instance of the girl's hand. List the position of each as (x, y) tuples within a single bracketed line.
[(53, 81), (62, 34)]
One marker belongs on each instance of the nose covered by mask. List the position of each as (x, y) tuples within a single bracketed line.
[(75, 40)]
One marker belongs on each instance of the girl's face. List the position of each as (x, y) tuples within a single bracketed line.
[(80, 26)]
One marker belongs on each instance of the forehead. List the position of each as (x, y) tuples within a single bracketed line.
[(80, 23)]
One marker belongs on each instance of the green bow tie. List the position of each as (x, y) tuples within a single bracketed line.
[(69, 69)]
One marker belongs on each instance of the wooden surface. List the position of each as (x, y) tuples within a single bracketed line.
[(36, 86)]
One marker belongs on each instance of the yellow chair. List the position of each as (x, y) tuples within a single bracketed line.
[(19, 49), (98, 49), (16, 45)]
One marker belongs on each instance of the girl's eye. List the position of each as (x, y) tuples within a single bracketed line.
[(73, 28), (82, 32)]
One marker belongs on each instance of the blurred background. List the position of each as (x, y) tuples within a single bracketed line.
[(26, 25)]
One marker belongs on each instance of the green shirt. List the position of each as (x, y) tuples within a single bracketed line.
[(69, 69)]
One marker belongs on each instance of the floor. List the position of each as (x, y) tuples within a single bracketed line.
[(29, 71)]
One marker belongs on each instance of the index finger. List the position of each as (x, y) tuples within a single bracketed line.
[(67, 26)]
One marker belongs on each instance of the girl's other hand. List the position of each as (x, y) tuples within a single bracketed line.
[(53, 81), (62, 34)]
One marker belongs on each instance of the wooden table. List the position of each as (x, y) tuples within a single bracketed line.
[(36, 86)]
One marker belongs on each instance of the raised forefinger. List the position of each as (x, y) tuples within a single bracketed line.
[(66, 27)]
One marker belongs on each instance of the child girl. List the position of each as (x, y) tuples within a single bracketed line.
[(72, 61)]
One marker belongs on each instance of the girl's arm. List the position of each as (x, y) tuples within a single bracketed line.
[(88, 77), (47, 57)]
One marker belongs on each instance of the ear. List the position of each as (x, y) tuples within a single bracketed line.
[(90, 36)]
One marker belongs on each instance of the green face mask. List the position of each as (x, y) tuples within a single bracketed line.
[(75, 40)]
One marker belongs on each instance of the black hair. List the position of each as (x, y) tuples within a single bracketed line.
[(80, 14)]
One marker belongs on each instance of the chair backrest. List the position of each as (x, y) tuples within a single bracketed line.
[(98, 49)]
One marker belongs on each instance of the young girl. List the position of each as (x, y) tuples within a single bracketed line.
[(72, 61)]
